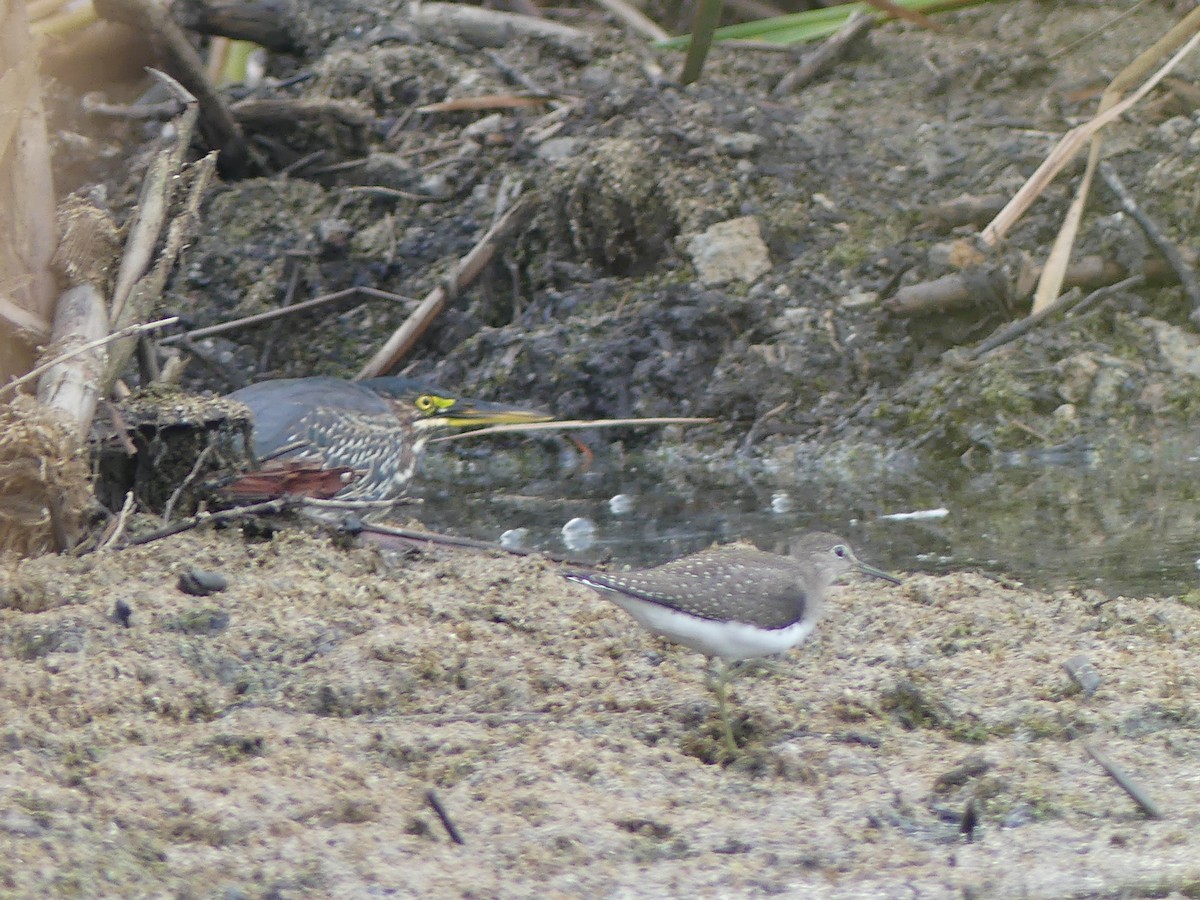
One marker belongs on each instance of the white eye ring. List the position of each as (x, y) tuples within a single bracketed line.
[(840, 551)]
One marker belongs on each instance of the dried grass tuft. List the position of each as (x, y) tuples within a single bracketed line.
[(45, 480)]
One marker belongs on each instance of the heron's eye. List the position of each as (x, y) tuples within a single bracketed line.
[(840, 551), (425, 404)]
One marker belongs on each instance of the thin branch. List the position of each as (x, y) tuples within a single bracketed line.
[(493, 28), (130, 331), (634, 19), (217, 123), (1154, 234), (825, 56), (23, 322), (964, 288), (197, 467), (1066, 302), (204, 518), (354, 505), (119, 524), (1124, 781), (432, 799), (449, 540), (291, 309), (570, 425)]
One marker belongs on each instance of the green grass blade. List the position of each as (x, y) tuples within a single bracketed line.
[(811, 25), (704, 24)]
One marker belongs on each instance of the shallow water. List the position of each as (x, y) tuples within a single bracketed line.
[(1122, 528)]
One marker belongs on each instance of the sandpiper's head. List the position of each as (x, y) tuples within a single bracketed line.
[(831, 556)]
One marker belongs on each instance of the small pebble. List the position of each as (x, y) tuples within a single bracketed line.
[(1083, 673), (781, 503), (579, 534), (201, 583)]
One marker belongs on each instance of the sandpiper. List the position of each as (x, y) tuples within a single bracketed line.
[(734, 602)]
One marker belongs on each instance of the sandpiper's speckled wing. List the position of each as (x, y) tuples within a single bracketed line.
[(733, 584)]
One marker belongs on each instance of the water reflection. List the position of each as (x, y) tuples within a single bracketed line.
[(1123, 528)]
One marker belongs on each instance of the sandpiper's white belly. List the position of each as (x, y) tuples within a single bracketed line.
[(729, 640)]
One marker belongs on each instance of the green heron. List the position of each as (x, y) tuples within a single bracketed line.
[(735, 602), (371, 433)]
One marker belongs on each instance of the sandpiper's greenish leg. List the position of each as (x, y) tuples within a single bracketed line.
[(721, 687), (734, 603)]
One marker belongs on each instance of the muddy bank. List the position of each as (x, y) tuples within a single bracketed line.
[(278, 739)]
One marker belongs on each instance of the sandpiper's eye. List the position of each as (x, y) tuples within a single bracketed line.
[(425, 403), (840, 551)]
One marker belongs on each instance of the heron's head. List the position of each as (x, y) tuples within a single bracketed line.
[(429, 409)]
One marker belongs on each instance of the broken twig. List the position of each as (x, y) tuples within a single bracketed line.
[(268, 507), (217, 124), (824, 57), (432, 799), (1071, 143), (1154, 234), (962, 289), (1066, 302), (1124, 781), (634, 19), (466, 271), (131, 331), (493, 28)]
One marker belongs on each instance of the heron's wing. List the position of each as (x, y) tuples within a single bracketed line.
[(300, 409)]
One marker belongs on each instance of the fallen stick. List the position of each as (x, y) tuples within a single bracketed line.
[(823, 58), (1067, 301), (634, 19), (1073, 141), (467, 270), (1124, 781), (432, 799), (961, 289), (374, 533), (225, 515), (1154, 234), (493, 28)]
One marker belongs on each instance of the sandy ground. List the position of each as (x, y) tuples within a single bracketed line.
[(279, 739)]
